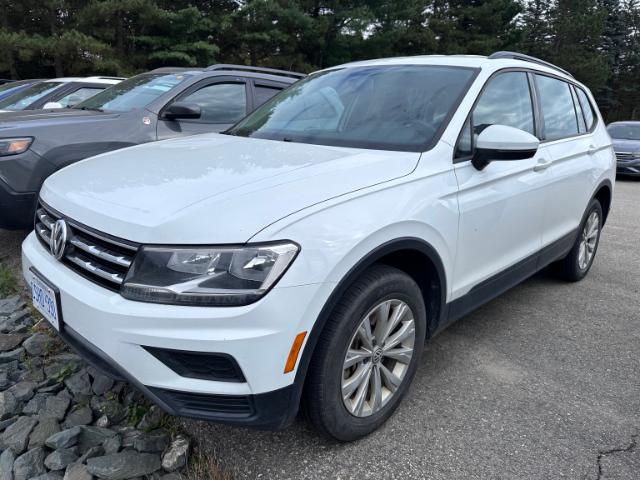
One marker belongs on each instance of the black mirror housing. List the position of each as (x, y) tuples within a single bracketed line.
[(179, 110)]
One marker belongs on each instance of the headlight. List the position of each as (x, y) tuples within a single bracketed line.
[(204, 276), (14, 146)]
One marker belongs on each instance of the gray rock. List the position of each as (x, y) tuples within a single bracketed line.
[(64, 363), (37, 344), (151, 419), (129, 435), (123, 465), (36, 404), (23, 391), (112, 409), (103, 421), (10, 305), (79, 384), (172, 476), (6, 465), (59, 459), (12, 355), (64, 439), (155, 441), (79, 416), (44, 430), (4, 380), (9, 406), (177, 454), (77, 471), (56, 407), (112, 444), (10, 341), (93, 436), (50, 386), (101, 383), (49, 476), (5, 423), (16, 435), (29, 465), (97, 451)]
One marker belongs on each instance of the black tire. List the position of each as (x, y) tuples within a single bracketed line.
[(569, 267), (322, 400)]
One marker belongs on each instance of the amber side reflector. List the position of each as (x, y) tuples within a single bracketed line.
[(294, 352)]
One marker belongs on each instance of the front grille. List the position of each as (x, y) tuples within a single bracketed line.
[(96, 256), (204, 405), (626, 156)]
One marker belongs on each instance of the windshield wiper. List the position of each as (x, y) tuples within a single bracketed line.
[(90, 109)]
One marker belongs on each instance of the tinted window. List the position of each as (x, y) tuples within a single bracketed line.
[(586, 108), (625, 131), (380, 107), (220, 103), (24, 98), (506, 100), (558, 111), (265, 93), (134, 93), (582, 126), (78, 96)]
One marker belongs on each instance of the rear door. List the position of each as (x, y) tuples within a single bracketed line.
[(568, 146), (223, 100), (501, 207)]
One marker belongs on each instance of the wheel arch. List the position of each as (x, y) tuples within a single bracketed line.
[(604, 194), (417, 258)]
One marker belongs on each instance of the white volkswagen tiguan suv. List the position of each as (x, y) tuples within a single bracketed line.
[(303, 257)]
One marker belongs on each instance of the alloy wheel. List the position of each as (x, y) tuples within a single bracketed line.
[(589, 240), (378, 357)]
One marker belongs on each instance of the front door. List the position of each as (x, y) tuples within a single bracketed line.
[(501, 207)]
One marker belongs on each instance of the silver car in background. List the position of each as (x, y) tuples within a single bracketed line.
[(626, 143)]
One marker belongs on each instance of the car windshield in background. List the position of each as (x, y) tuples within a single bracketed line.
[(134, 93), (399, 107), (5, 87), (625, 131), (24, 98)]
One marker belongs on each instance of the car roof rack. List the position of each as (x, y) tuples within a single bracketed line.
[(175, 69), (247, 68), (527, 58)]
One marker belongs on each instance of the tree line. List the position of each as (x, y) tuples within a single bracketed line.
[(597, 40)]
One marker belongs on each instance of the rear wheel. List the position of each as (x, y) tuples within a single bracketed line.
[(367, 354), (577, 263)]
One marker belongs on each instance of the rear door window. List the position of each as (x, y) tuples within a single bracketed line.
[(70, 99), (220, 102), (264, 93), (558, 112)]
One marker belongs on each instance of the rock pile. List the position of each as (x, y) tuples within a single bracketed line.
[(62, 419)]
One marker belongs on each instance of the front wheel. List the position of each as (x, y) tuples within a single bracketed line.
[(576, 264), (367, 355)]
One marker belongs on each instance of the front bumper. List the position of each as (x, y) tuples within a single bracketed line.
[(628, 167), (16, 209), (111, 332)]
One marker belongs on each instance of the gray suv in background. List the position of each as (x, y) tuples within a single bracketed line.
[(626, 143), (161, 104)]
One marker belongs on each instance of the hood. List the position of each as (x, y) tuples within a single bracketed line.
[(212, 188), (34, 118), (627, 146)]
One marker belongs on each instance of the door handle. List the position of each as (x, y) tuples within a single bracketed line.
[(592, 150), (542, 165)]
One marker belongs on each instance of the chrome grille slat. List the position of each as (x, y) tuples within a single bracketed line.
[(627, 156), (100, 252), (98, 257), (91, 267)]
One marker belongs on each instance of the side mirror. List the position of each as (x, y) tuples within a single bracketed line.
[(182, 110), (502, 143), (50, 105)]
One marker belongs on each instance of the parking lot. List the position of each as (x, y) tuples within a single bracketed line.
[(541, 383)]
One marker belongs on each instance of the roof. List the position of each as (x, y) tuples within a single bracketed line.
[(105, 80)]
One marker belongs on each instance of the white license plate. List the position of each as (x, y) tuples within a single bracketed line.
[(44, 299)]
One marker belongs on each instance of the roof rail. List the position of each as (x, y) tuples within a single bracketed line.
[(247, 68), (527, 58), (174, 69)]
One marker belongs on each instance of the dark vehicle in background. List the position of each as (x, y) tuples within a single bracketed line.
[(11, 88), (626, 143), (55, 93), (161, 104)]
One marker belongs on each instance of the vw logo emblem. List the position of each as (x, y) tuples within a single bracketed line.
[(58, 243)]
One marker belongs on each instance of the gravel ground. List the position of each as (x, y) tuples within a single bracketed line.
[(543, 382)]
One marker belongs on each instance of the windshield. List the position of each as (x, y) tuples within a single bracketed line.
[(7, 87), (628, 131), (22, 99), (134, 93), (380, 107)]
